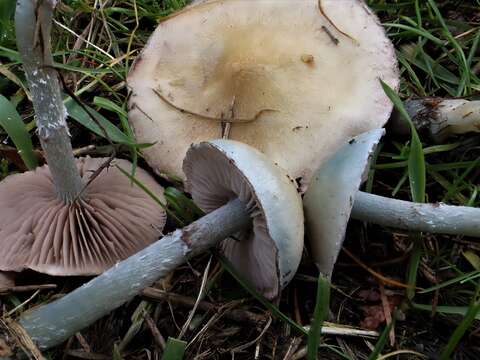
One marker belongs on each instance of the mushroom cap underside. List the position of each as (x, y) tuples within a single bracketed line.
[(295, 80), (112, 220), (268, 253)]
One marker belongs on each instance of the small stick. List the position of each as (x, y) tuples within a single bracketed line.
[(234, 314), (200, 296), (345, 331), (157, 336), (25, 288)]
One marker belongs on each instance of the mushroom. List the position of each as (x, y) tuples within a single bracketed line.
[(277, 75), (245, 195), (72, 217), (333, 197), (110, 221), (441, 118), (269, 252)]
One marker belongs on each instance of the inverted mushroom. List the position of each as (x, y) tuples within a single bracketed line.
[(333, 197), (440, 117), (67, 218), (269, 252), (111, 220), (294, 79), (257, 197)]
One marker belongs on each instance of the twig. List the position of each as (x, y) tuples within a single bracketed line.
[(250, 343), (234, 314), (21, 338), (157, 336), (25, 288), (374, 273), (83, 39), (200, 296), (19, 306), (387, 312)]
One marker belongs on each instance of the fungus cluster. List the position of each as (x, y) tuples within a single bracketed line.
[(266, 92)]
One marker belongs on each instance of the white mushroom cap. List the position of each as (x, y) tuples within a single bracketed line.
[(329, 199), (293, 83), (269, 253), (113, 220)]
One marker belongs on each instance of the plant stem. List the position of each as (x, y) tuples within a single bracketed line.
[(53, 323), (433, 218), (33, 25)]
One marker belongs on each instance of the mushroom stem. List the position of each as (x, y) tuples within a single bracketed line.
[(440, 117), (51, 324), (433, 218), (33, 25)]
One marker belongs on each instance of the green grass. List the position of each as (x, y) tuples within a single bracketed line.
[(437, 44)]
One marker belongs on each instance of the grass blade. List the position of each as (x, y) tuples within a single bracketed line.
[(463, 63), (175, 349), (445, 309), (470, 316), (150, 193), (320, 313), (184, 207), (13, 124), (416, 159), (382, 340), (76, 112), (417, 178)]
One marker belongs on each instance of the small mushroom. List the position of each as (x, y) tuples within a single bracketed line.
[(246, 196), (269, 252), (277, 75), (110, 221), (333, 197), (441, 118)]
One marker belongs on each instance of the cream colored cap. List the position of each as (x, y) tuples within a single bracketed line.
[(296, 80)]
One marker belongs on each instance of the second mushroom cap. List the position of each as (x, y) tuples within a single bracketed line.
[(112, 220), (268, 253)]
